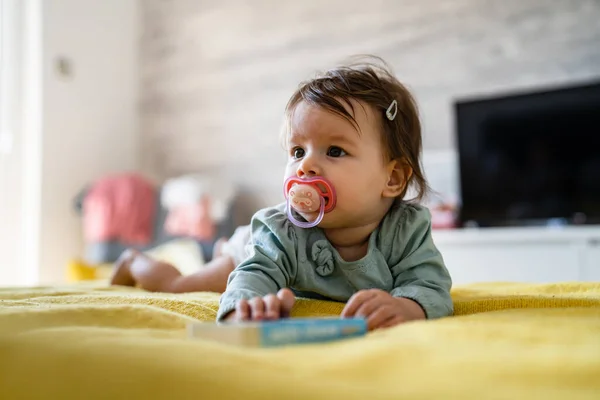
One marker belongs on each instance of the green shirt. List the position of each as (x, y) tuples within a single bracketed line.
[(401, 259)]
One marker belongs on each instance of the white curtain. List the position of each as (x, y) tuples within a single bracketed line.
[(19, 119)]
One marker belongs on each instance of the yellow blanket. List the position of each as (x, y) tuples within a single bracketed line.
[(509, 341)]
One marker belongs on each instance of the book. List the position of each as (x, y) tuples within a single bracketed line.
[(283, 332)]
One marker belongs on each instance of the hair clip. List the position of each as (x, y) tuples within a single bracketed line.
[(392, 110)]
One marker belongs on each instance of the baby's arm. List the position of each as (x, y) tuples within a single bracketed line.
[(418, 268), (270, 268), (421, 283)]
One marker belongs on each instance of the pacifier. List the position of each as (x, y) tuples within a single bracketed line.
[(308, 195)]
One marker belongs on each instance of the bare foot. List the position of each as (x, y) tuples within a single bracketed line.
[(122, 270), (134, 268)]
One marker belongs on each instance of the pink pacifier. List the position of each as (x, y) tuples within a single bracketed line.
[(308, 195)]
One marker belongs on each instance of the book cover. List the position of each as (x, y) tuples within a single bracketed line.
[(281, 332)]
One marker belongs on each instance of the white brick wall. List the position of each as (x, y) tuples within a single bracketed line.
[(217, 73)]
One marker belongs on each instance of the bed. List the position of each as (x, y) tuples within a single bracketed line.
[(92, 341)]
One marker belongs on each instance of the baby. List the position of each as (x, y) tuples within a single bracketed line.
[(346, 232)]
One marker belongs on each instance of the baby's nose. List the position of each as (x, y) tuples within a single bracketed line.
[(308, 167)]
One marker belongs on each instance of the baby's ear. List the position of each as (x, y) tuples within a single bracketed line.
[(399, 173)]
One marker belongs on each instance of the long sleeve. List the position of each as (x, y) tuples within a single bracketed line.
[(417, 265), (272, 264)]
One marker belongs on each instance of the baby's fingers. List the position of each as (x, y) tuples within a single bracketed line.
[(242, 311), (287, 299), (379, 317), (357, 300), (257, 306), (272, 307)]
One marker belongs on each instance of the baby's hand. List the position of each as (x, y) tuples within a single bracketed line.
[(381, 309), (269, 307)]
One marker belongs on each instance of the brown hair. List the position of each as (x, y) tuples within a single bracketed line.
[(376, 86)]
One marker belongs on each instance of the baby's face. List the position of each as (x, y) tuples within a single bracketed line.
[(324, 144)]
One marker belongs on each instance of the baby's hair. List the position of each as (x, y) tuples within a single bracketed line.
[(371, 83)]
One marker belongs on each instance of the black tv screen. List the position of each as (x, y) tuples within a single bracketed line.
[(530, 158)]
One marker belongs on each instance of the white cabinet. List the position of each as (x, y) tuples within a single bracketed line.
[(535, 255), (591, 261), (511, 262)]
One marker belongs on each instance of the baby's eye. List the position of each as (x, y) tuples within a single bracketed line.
[(298, 152), (335, 151)]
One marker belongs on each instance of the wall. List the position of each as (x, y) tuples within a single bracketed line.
[(90, 115), (216, 74), (80, 120)]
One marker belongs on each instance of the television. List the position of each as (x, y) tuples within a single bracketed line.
[(530, 157)]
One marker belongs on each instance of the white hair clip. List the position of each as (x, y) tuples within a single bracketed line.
[(392, 110)]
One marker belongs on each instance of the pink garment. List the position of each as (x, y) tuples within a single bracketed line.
[(192, 220), (122, 208)]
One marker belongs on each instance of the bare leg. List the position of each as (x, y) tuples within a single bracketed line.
[(136, 269), (212, 278)]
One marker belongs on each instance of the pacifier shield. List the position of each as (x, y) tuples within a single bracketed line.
[(320, 187)]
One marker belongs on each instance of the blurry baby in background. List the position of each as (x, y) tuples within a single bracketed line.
[(134, 268), (346, 232)]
